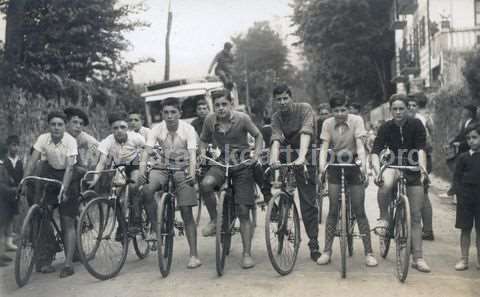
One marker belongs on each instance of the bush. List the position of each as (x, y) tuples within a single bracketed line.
[(446, 106)]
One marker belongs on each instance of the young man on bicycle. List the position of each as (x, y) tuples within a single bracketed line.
[(87, 144), (228, 130), (178, 141), (58, 151), (344, 133), (124, 148), (293, 126), (404, 138)]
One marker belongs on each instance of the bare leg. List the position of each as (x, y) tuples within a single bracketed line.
[(245, 229), (190, 229), (68, 227)]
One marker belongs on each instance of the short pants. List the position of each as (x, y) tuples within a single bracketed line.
[(185, 192), (468, 207)]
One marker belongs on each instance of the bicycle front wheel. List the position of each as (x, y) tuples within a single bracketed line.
[(282, 233), (343, 234), (223, 232), (102, 242), (29, 240), (403, 237), (165, 233), (386, 239), (140, 243)]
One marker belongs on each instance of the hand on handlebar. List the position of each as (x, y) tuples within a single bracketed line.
[(299, 162)]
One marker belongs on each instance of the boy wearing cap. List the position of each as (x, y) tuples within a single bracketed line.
[(77, 120), (58, 151)]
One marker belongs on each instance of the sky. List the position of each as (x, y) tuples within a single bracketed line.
[(199, 30)]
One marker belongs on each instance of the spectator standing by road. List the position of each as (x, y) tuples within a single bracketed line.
[(224, 64)]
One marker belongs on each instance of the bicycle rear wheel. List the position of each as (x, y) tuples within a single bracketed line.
[(223, 232), (165, 233), (103, 246), (282, 233), (140, 243), (403, 237), (343, 234), (29, 239)]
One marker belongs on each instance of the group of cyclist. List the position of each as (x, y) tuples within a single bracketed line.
[(61, 154)]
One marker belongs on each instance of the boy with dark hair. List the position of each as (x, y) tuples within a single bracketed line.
[(135, 123), (178, 141), (77, 120), (228, 130), (467, 182), (224, 63), (58, 151), (293, 127), (202, 111), (344, 133), (354, 108)]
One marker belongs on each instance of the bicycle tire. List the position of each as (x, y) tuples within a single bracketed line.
[(165, 233), (30, 227), (343, 235), (140, 243), (222, 233), (272, 219), (403, 238), (386, 240), (110, 222)]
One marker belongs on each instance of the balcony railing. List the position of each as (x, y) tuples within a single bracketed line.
[(455, 40), (407, 6)]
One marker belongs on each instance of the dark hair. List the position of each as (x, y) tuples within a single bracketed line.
[(355, 105), (56, 114), (227, 45), (420, 99), (338, 100), (472, 109), (136, 111), (70, 112), (398, 97), (473, 127), (267, 121), (172, 101), (117, 116), (201, 102), (13, 139), (282, 88), (220, 94)]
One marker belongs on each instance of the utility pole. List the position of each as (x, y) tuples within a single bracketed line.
[(247, 87), (167, 42)]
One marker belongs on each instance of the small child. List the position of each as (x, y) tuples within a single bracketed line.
[(467, 178)]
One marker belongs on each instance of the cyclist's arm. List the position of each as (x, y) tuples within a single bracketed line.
[(100, 166), (304, 144), (422, 159), (253, 130), (193, 162), (32, 162), (146, 153), (274, 151), (67, 177), (322, 160), (362, 156)]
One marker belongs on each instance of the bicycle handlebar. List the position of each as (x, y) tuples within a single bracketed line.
[(401, 167), (44, 179)]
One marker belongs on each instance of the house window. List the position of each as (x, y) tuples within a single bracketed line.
[(477, 12)]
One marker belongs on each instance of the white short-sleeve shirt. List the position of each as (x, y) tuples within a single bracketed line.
[(175, 145), (123, 153), (87, 147), (56, 154)]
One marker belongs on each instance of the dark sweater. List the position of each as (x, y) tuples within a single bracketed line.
[(467, 171)]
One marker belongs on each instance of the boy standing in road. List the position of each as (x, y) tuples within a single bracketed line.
[(293, 126), (467, 182)]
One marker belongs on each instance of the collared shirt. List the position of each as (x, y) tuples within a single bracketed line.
[(87, 146), (404, 141), (175, 145), (288, 127), (14, 160), (56, 154), (123, 153), (144, 132), (467, 169), (343, 135), (234, 136)]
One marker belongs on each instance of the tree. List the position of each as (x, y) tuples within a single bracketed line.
[(348, 45), (260, 57), (471, 72), (69, 48)]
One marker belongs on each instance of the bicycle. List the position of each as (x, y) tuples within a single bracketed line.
[(282, 223), (399, 222), (166, 222), (346, 217), (108, 223), (226, 215), (39, 218)]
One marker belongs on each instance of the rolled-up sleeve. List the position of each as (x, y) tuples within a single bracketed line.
[(308, 121), (207, 133), (326, 130), (277, 133), (379, 143)]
